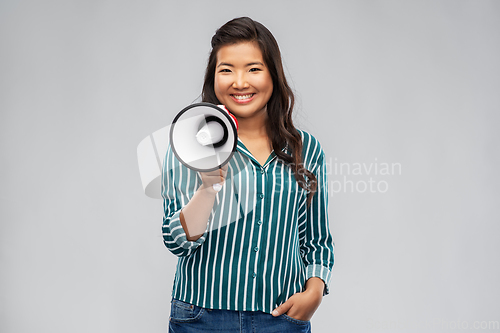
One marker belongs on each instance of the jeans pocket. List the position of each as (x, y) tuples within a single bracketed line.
[(183, 312), (296, 321)]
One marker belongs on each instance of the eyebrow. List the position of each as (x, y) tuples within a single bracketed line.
[(231, 65)]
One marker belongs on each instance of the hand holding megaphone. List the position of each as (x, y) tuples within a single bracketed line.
[(214, 179), (203, 137)]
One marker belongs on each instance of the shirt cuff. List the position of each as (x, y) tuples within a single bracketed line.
[(322, 272), (179, 235)]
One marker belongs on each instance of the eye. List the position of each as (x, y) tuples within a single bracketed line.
[(225, 70), (255, 69)]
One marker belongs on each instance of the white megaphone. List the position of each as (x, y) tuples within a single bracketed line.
[(203, 137)]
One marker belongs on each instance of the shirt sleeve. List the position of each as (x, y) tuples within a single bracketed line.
[(317, 248), (178, 186)]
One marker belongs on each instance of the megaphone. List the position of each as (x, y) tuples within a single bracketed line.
[(204, 136)]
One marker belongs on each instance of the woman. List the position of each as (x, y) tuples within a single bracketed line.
[(259, 253)]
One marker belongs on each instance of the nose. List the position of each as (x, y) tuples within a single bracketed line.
[(240, 82)]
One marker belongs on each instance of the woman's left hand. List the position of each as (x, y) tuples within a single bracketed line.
[(301, 305)]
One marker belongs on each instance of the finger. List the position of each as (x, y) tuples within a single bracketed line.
[(208, 181), (221, 175), (283, 308), (220, 170), (214, 173), (224, 169), (206, 176)]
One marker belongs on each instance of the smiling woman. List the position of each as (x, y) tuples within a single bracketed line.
[(268, 269), (242, 81), (244, 85)]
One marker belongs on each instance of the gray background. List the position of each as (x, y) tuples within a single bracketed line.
[(409, 82)]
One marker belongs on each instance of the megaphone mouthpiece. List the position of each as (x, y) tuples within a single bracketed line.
[(211, 133)]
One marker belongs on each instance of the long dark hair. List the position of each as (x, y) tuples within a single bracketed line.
[(280, 127)]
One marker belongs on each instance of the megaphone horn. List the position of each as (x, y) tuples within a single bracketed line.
[(204, 136)]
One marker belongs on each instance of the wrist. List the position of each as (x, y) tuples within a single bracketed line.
[(315, 285)]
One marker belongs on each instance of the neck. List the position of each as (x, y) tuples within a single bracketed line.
[(254, 126)]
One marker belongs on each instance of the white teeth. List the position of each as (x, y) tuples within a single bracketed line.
[(240, 97)]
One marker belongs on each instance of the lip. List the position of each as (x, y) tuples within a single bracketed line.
[(242, 101)]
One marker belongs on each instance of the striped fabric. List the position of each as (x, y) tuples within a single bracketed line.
[(262, 242)]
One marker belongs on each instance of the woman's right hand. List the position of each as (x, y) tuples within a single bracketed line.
[(196, 213), (217, 176)]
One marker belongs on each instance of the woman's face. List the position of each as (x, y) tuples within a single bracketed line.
[(242, 81)]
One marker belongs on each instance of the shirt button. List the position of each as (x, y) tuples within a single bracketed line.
[(261, 170), (254, 275), (256, 249), (261, 195), (259, 222)]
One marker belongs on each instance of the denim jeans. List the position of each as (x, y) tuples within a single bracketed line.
[(189, 318)]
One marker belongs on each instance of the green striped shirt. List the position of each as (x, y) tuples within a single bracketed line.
[(262, 241)]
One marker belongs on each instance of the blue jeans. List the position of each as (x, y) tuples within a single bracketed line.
[(189, 318)]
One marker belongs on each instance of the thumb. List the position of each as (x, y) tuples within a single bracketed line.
[(283, 308)]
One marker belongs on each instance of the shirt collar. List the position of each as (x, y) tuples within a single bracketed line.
[(241, 147)]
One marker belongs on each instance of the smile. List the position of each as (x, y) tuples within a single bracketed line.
[(242, 98)]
